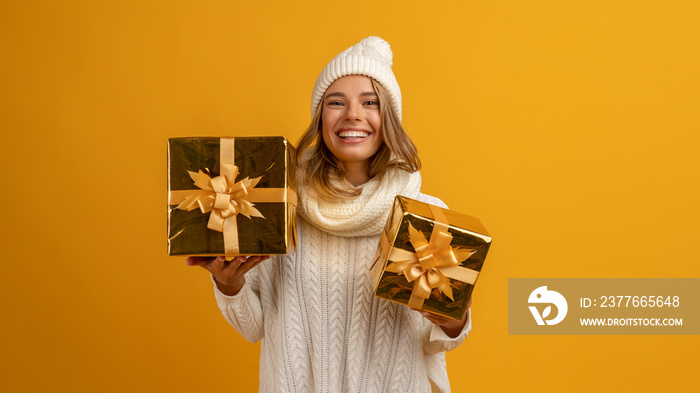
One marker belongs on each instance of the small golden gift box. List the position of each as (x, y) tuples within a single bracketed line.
[(429, 258), (231, 196)]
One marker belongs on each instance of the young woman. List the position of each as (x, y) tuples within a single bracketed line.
[(322, 330)]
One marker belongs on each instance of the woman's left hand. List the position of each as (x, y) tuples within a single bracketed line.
[(451, 327)]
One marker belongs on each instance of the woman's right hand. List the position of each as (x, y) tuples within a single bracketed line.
[(229, 275)]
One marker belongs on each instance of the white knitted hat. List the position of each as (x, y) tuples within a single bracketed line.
[(371, 57)]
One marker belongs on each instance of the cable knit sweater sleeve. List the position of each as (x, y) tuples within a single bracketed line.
[(243, 310), (441, 342)]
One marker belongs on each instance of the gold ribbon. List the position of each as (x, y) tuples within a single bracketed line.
[(225, 198), (433, 263)]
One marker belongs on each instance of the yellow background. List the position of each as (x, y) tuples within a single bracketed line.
[(570, 128)]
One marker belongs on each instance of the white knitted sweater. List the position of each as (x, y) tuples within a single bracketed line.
[(321, 327)]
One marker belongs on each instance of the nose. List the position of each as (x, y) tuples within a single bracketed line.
[(353, 112)]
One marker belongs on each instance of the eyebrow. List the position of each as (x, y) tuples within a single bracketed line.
[(341, 94)]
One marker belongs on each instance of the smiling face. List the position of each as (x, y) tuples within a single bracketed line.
[(352, 122)]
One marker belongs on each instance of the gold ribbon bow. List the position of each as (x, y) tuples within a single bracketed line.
[(225, 198), (434, 262), (222, 196)]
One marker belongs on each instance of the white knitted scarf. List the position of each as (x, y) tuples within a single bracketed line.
[(365, 215)]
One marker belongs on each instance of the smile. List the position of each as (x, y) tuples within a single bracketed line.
[(353, 134)]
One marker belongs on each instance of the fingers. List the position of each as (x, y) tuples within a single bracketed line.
[(218, 265), (429, 316), (434, 318), (212, 264), (199, 261), (252, 262)]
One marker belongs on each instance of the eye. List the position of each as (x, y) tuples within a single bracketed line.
[(334, 103), (372, 103)]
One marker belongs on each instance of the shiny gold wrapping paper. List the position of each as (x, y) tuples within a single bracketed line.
[(467, 234), (271, 158)]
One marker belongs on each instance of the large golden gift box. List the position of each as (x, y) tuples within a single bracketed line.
[(231, 196), (429, 258)]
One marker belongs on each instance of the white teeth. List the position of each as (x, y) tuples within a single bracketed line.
[(353, 134)]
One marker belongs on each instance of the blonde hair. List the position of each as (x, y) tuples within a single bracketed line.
[(319, 169)]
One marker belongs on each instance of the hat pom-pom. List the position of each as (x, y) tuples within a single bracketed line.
[(381, 46)]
